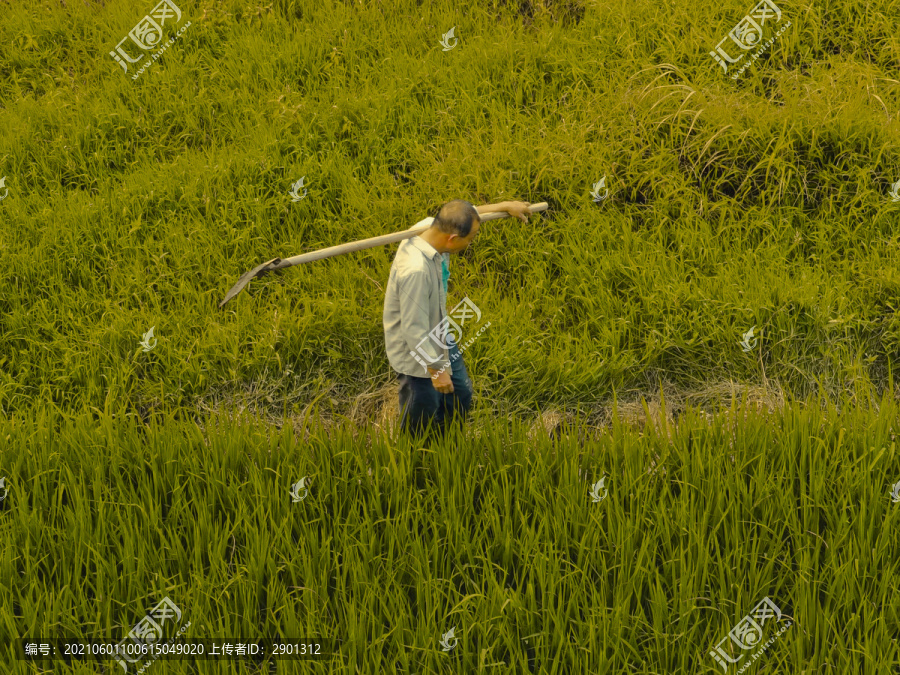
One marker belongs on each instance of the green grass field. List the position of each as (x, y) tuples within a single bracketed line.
[(135, 199)]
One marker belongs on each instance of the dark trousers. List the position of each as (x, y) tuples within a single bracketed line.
[(421, 403)]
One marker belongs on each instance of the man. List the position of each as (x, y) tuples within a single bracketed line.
[(434, 384)]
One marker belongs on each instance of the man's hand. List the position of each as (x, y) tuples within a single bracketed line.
[(518, 210), (442, 382)]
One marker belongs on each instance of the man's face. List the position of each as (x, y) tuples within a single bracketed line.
[(458, 244)]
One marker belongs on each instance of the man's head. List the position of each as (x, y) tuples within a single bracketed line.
[(456, 225)]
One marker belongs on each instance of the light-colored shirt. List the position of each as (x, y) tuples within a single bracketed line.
[(415, 303)]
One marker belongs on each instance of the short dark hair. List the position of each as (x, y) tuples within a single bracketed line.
[(457, 217)]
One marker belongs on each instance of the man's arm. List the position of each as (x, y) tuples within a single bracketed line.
[(414, 319), (490, 208)]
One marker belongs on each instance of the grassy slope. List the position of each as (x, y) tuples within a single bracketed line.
[(137, 203)]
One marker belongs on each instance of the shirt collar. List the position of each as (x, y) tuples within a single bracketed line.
[(427, 249)]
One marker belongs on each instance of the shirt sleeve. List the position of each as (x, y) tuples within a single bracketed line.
[(414, 320)]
